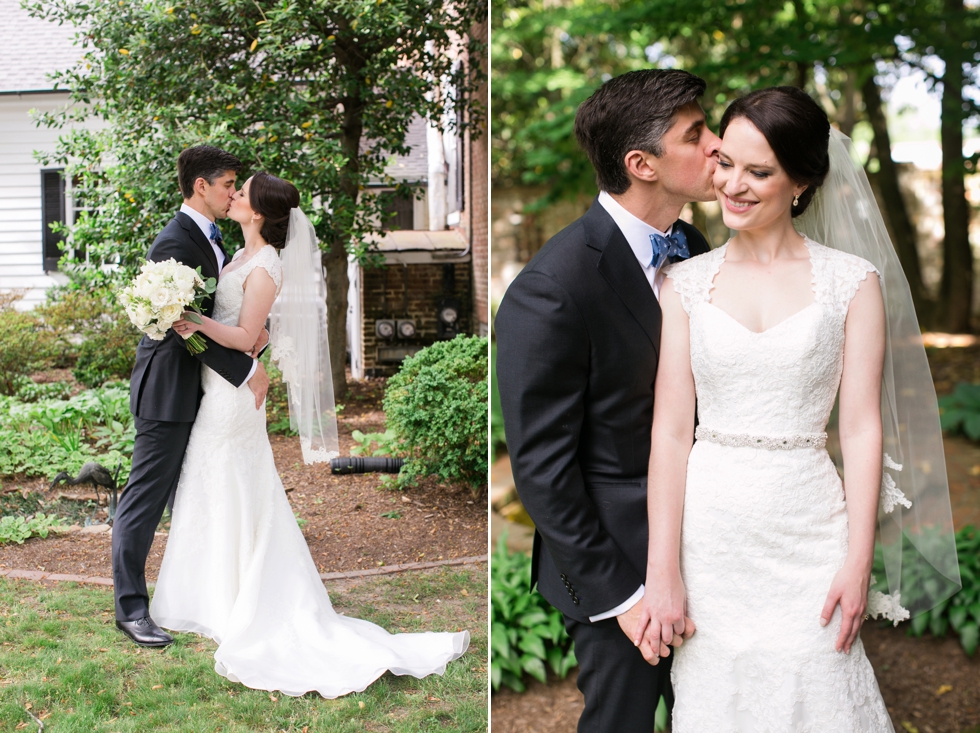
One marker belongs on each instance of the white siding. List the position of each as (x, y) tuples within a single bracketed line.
[(21, 259)]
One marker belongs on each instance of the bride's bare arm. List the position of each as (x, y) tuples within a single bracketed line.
[(260, 292), (860, 438), (665, 599)]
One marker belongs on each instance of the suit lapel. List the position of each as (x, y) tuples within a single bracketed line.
[(197, 236), (619, 267)]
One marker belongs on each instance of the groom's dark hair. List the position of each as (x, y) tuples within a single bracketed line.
[(203, 161), (631, 112)]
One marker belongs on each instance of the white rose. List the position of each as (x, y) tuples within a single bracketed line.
[(141, 316), (171, 313), (160, 297)]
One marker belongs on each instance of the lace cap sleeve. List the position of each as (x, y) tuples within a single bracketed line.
[(268, 260), (693, 278), (838, 275)]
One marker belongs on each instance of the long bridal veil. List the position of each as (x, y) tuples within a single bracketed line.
[(915, 536), (300, 348)]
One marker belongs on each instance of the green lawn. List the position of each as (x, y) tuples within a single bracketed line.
[(61, 654)]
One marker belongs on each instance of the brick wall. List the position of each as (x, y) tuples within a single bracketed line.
[(425, 286)]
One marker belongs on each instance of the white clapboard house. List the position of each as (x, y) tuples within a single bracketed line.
[(31, 195)]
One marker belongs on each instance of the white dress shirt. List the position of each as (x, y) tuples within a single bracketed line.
[(202, 221), (637, 233)]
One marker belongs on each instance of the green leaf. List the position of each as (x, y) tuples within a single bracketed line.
[(968, 637), (534, 667), (532, 644)]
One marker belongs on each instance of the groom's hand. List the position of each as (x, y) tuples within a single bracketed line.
[(259, 344), (648, 647), (259, 384)]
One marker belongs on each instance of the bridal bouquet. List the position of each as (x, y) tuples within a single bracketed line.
[(161, 293)]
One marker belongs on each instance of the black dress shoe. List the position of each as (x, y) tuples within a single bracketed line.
[(144, 632)]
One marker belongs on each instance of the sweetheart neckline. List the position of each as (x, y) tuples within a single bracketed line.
[(759, 333)]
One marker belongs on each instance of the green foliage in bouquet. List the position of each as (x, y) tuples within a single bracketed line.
[(436, 405), (526, 632), (960, 411), (961, 612)]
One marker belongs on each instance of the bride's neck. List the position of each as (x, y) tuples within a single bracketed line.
[(764, 244), (254, 240)]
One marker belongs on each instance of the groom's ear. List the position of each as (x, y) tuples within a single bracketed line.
[(640, 165)]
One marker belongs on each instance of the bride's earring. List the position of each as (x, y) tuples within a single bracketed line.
[(796, 200)]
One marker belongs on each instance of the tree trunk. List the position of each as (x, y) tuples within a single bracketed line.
[(902, 230), (957, 283), (335, 262)]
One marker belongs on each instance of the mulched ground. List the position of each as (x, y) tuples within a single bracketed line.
[(929, 686), (345, 528)]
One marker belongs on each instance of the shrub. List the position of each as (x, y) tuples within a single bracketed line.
[(525, 630), (960, 411), (26, 345), (107, 355), (99, 337), (437, 407), (961, 612)]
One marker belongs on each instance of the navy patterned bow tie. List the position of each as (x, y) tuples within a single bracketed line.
[(216, 234), (669, 249)]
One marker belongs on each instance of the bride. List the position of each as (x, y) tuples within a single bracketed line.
[(752, 533), (236, 567)]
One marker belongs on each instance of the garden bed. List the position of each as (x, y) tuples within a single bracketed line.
[(344, 522)]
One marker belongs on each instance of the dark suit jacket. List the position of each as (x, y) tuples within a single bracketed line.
[(166, 381), (578, 335)]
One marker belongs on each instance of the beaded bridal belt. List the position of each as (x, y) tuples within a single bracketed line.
[(768, 442)]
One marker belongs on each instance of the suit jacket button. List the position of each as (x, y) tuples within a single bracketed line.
[(564, 577), (575, 600)]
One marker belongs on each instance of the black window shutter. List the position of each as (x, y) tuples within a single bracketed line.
[(52, 210)]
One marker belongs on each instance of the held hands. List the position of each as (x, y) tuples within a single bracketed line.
[(659, 619), (849, 590)]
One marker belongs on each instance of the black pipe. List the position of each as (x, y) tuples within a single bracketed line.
[(357, 464)]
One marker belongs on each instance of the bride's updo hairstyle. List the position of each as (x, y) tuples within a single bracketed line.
[(797, 130), (273, 198)]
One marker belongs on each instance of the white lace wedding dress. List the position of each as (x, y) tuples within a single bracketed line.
[(765, 521), (237, 568)]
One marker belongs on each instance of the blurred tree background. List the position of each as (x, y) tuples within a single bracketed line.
[(548, 56)]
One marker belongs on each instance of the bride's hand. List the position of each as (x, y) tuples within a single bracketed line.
[(184, 327), (849, 590), (663, 616)]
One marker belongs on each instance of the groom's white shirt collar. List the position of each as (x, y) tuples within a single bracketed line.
[(205, 224), (637, 233), (202, 221)]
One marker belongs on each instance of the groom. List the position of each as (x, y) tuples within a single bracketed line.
[(578, 334), (165, 387)]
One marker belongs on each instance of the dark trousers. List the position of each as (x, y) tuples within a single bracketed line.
[(157, 457), (621, 689)]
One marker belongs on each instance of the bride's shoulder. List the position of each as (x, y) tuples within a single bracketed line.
[(698, 264), (841, 262)]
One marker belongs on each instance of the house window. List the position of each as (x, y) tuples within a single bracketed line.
[(399, 213), (52, 211)]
